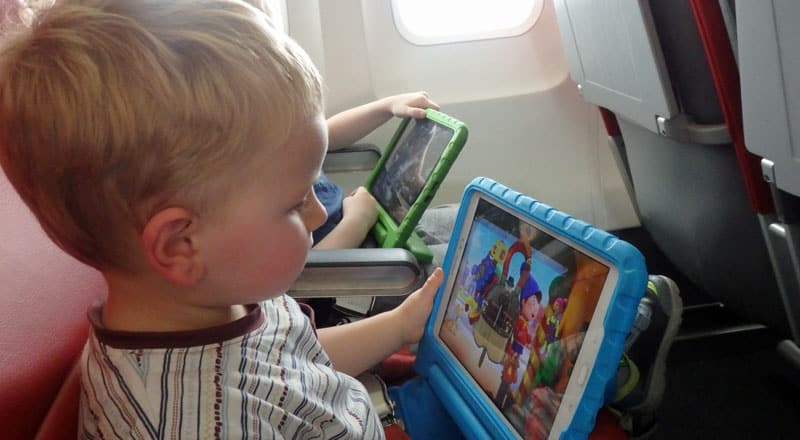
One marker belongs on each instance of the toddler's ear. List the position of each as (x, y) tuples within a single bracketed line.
[(169, 246)]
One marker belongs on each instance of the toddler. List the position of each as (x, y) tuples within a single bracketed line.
[(144, 136)]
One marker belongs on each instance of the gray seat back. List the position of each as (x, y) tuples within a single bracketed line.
[(688, 186), (769, 48)]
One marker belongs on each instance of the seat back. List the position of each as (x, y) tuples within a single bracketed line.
[(43, 300), (769, 65), (694, 188), (768, 50)]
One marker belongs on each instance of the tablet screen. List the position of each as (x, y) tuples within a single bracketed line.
[(518, 309), (409, 165)]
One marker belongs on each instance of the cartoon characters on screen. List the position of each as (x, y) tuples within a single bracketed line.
[(541, 388), (542, 338), (530, 333), (522, 335), (513, 318), (493, 306), (494, 267), (509, 319), (544, 378), (484, 276)]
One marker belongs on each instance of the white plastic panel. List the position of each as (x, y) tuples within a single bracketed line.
[(279, 10), (304, 26), (613, 54), (769, 63), (470, 70)]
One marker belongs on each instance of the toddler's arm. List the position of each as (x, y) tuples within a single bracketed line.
[(349, 126), (359, 213), (359, 209), (355, 347)]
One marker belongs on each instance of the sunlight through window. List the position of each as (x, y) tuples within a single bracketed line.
[(428, 22)]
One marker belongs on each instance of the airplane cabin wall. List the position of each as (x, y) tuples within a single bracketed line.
[(528, 126)]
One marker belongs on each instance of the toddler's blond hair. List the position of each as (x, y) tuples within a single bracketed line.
[(112, 110)]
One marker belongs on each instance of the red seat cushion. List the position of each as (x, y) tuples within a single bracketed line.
[(61, 422), (44, 294)]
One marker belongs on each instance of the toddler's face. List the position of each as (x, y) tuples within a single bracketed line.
[(261, 242)]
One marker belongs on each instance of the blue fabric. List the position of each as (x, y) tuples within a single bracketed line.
[(422, 413), (331, 196)]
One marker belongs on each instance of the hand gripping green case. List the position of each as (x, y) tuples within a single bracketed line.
[(408, 174)]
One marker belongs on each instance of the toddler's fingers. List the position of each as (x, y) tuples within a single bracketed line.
[(357, 190), (416, 113), (433, 282), (433, 105)]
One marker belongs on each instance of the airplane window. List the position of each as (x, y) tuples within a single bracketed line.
[(427, 22)]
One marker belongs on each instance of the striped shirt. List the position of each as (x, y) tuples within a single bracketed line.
[(263, 376)]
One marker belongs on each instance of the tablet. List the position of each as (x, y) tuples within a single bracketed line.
[(530, 322), (409, 172)]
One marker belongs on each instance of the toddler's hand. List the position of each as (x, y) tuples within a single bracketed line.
[(411, 105), (360, 206), (413, 312)]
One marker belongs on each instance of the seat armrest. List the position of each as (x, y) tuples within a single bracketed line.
[(357, 272), (361, 157)]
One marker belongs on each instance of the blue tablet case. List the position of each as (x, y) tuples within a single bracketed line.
[(443, 403)]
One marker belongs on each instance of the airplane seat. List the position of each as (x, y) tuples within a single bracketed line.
[(693, 187), (768, 42), (43, 325)]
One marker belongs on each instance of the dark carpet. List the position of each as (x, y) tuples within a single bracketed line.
[(725, 380)]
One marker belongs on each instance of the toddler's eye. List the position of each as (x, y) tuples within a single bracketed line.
[(303, 204), (300, 205), (306, 200)]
